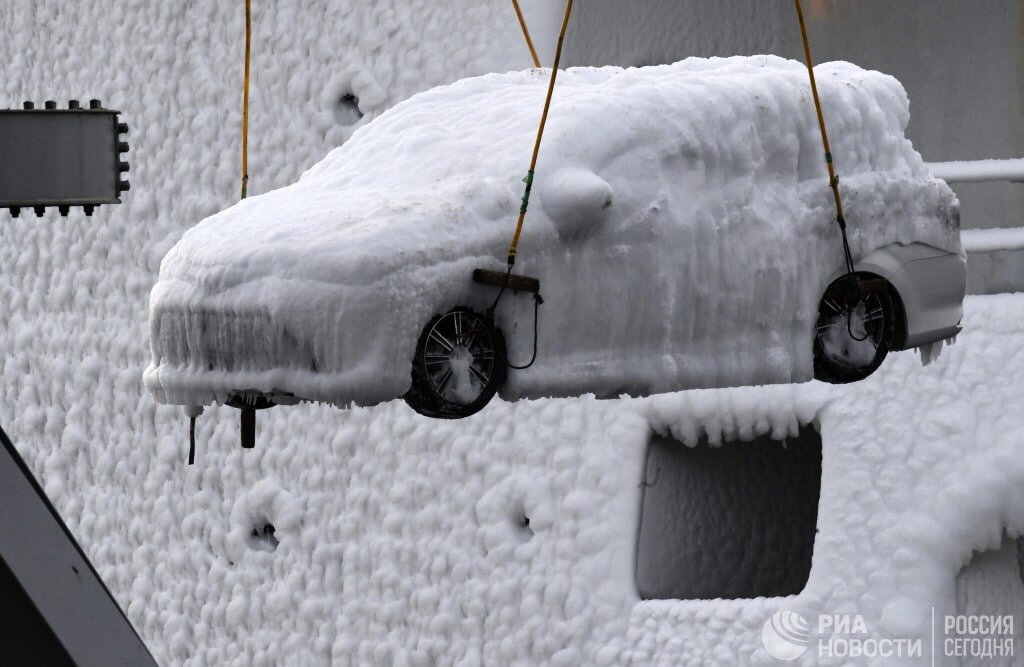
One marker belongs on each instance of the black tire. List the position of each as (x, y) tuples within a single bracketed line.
[(459, 364), (841, 355)]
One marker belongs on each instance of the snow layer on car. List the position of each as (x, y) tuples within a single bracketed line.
[(690, 201)]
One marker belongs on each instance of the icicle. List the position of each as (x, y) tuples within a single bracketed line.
[(930, 352)]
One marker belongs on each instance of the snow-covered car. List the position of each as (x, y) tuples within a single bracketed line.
[(682, 230)]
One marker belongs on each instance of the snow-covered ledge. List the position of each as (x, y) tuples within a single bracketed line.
[(995, 260), (979, 171), (995, 257)]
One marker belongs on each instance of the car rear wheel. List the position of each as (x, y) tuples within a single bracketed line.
[(458, 366), (854, 331)]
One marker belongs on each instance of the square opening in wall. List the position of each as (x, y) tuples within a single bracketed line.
[(990, 586), (735, 520)]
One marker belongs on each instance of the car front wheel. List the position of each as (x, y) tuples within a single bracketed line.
[(458, 366), (855, 330)]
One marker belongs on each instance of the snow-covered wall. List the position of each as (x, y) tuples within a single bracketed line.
[(397, 540)]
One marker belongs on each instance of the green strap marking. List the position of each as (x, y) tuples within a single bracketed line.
[(526, 194)]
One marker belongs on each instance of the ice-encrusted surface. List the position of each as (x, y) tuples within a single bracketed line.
[(919, 471), (688, 200), (992, 583), (509, 537), (933, 451)]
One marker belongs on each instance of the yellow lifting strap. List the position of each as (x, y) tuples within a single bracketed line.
[(245, 99), (526, 34), (514, 246), (833, 180), (193, 412)]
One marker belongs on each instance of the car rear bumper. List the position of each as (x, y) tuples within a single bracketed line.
[(932, 290), (930, 282)]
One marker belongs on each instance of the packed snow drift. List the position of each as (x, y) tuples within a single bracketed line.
[(682, 231)]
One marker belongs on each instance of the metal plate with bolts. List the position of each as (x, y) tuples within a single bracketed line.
[(61, 157)]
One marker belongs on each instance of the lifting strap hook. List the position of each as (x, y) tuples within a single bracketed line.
[(833, 177)]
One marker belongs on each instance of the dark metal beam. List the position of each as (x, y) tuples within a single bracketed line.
[(51, 568)]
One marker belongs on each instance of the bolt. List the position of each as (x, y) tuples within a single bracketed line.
[(29, 105), (73, 104), (95, 104), (50, 104), (64, 210)]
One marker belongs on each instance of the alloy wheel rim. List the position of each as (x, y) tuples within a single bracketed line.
[(866, 317), (459, 357)]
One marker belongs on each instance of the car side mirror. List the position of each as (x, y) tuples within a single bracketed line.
[(577, 201)]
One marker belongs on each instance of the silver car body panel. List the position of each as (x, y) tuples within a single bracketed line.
[(930, 283)]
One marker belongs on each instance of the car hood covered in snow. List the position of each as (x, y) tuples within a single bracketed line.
[(664, 166)]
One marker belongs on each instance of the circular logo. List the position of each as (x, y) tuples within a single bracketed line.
[(786, 635)]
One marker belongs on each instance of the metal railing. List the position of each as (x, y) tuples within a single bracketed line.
[(995, 256)]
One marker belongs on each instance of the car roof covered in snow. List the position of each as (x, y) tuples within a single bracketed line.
[(438, 176)]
